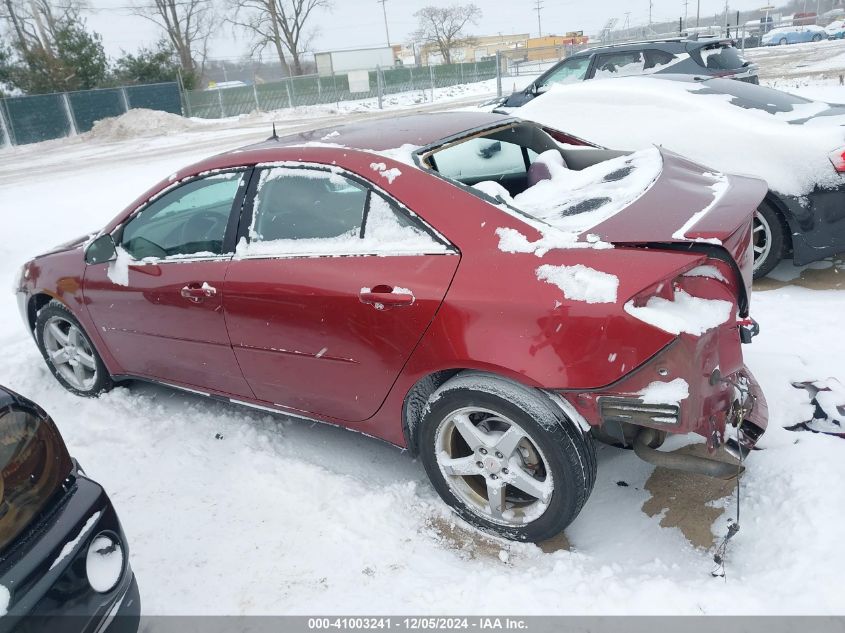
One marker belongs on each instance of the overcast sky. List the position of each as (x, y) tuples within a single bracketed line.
[(359, 23)]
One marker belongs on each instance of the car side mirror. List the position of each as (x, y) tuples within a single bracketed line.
[(538, 90), (100, 250)]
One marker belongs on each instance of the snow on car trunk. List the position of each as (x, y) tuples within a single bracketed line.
[(724, 132)]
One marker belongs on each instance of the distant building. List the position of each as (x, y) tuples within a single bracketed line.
[(334, 62), (475, 50)]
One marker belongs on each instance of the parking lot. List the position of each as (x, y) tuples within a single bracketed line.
[(231, 511)]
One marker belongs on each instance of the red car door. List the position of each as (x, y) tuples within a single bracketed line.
[(159, 307), (331, 290)]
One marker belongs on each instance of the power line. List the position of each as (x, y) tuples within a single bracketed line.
[(538, 6)]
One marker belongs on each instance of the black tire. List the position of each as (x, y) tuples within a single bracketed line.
[(783, 41), (817, 37), (56, 313), (566, 452), (772, 225)]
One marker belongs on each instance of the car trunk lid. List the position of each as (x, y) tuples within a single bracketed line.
[(691, 207)]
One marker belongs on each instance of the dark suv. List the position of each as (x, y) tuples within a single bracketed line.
[(705, 57)]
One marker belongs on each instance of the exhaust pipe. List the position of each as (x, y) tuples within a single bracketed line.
[(686, 463)]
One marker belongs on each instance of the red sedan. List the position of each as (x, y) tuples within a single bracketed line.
[(477, 289)]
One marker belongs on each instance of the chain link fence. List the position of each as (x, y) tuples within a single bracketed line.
[(35, 118), (215, 103)]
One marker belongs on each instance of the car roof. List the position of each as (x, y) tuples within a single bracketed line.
[(670, 45), (419, 130)]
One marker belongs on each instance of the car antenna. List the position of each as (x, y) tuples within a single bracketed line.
[(275, 136)]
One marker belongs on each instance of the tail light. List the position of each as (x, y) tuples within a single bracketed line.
[(837, 159)]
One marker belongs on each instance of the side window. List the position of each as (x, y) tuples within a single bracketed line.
[(482, 158), (305, 204), (189, 220), (620, 64), (313, 212), (569, 71), (657, 59)]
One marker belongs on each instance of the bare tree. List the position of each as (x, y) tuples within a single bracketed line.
[(35, 23), (443, 27), (282, 24), (187, 24)]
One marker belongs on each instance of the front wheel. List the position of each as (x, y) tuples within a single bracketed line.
[(505, 457), (69, 353), (783, 41), (817, 38), (767, 240)]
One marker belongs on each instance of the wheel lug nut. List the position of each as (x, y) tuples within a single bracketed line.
[(479, 464), (483, 451), (499, 455), (494, 476), (504, 471)]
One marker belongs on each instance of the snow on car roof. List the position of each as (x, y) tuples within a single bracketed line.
[(759, 136)]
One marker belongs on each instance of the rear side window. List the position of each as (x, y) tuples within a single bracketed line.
[(620, 64), (481, 158), (311, 212), (295, 204), (720, 57), (656, 59)]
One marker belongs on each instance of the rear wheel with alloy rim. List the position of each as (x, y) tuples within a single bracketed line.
[(69, 353), (767, 240), (505, 457)]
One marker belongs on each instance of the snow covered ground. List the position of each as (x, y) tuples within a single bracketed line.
[(229, 511)]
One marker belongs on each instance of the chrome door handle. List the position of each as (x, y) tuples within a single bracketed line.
[(197, 293)]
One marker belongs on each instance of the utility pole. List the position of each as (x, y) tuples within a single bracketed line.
[(650, 7), (538, 5), (726, 15), (384, 11), (686, 4), (698, 14)]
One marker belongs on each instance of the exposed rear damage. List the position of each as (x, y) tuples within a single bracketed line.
[(654, 201)]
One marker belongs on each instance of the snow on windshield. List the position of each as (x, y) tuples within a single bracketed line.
[(732, 134)]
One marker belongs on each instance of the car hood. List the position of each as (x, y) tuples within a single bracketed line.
[(70, 245)]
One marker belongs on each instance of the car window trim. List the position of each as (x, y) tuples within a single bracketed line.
[(237, 204), (370, 187)]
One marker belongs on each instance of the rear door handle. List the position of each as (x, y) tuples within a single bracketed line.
[(382, 297), (196, 292)]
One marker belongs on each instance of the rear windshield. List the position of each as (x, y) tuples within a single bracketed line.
[(720, 57)]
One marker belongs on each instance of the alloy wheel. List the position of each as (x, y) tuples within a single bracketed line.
[(761, 240), (493, 467), (70, 353)]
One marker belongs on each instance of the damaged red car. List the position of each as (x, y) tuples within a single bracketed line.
[(477, 289)]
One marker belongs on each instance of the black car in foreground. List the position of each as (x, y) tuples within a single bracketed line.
[(64, 563), (703, 58)]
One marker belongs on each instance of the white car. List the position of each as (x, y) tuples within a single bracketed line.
[(796, 145), (835, 30)]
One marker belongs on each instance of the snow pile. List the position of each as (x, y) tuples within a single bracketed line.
[(5, 597), (580, 283), (688, 314), (70, 546), (637, 112), (706, 271), (389, 174), (139, 122), (665, 392), (720, 187)]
